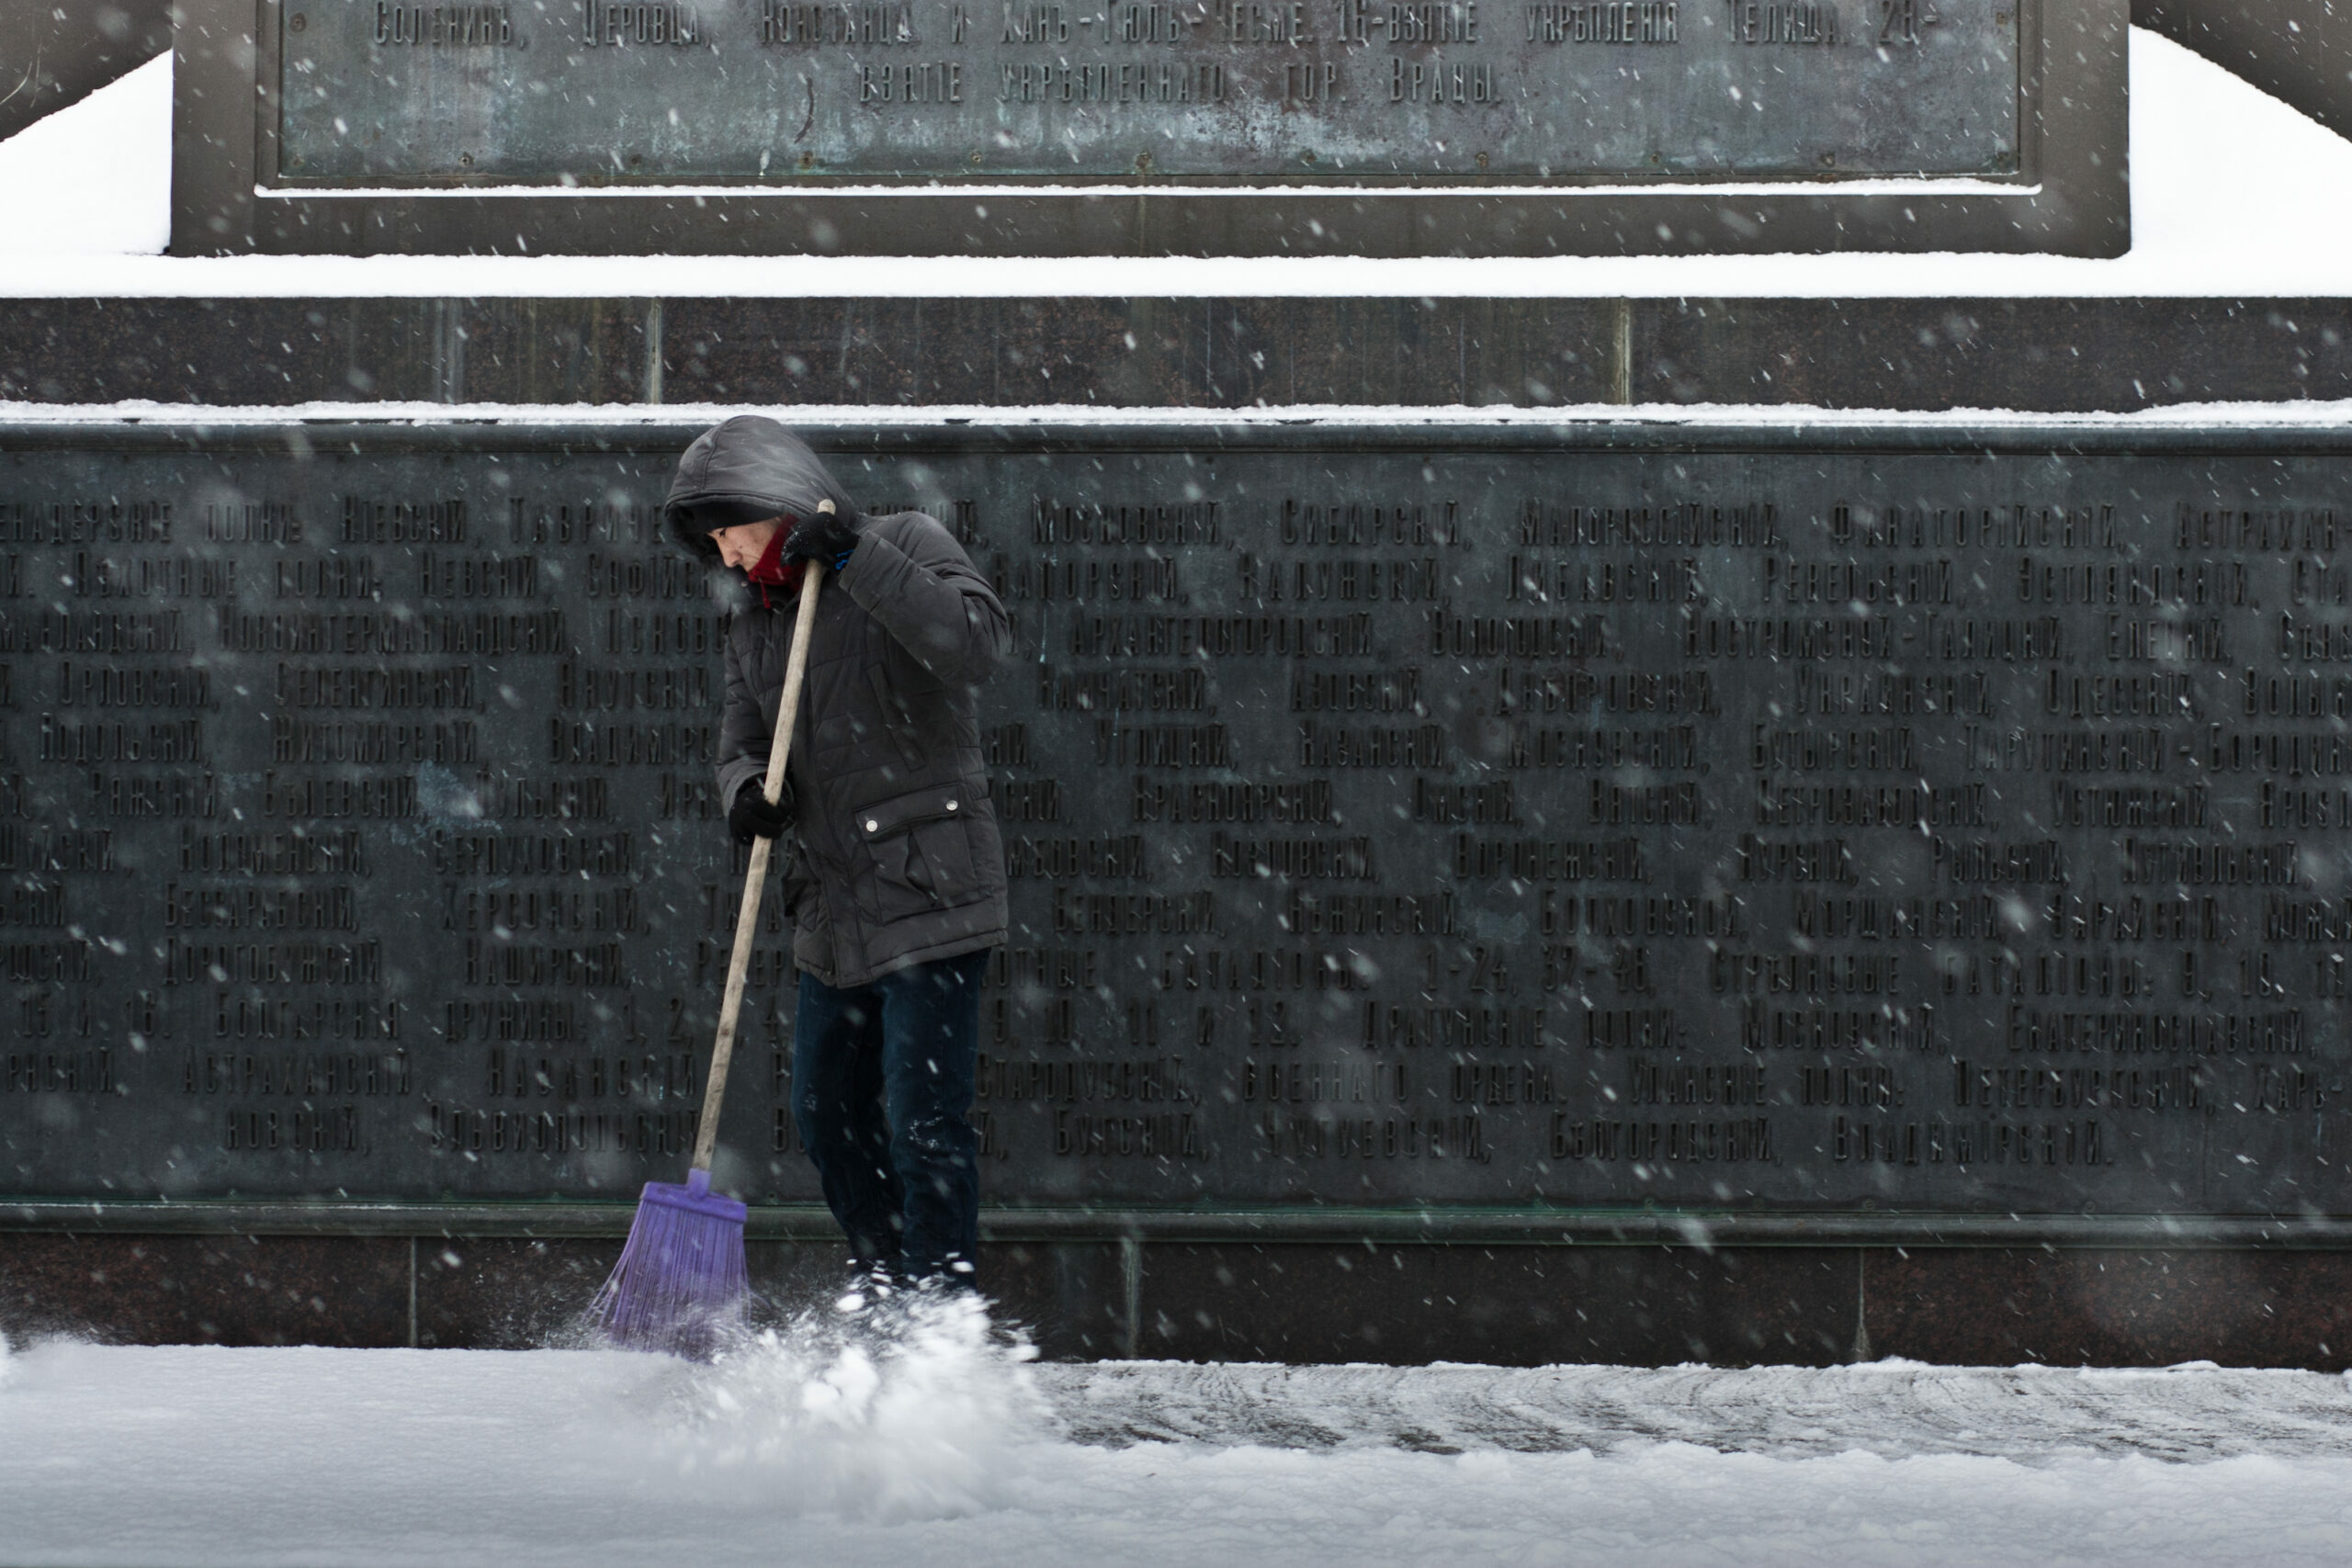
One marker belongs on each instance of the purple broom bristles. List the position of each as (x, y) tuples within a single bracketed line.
[(681, 1282)]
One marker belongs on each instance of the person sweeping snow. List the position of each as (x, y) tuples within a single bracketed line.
[(893, 873)]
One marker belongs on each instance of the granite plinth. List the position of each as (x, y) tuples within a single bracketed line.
[(2057, 355)]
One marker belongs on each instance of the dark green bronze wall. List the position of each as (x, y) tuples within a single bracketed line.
[(2234, 1297)]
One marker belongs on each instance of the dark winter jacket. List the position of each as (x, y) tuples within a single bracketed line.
[(895, 857)]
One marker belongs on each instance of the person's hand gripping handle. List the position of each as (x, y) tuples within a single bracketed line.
[(746, 920)]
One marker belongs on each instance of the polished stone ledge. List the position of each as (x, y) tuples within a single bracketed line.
[(1703, 1229), (2052, 355)]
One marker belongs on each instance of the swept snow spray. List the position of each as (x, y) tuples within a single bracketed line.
[(912, 1408)]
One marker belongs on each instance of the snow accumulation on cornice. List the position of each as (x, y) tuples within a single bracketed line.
[(2324, 416)]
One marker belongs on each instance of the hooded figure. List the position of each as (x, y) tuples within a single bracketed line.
[(891, 868)]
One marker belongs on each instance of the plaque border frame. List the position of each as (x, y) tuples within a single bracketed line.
[(2073, 197)]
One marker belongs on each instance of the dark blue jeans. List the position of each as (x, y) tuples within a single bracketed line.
[(881, 1080)]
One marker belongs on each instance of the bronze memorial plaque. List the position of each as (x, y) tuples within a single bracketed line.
[(1025, 127), (1938, 820), (593, 92)]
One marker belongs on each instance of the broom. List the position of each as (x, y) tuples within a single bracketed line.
[(680, 1282)]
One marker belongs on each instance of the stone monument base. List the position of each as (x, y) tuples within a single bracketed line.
[(1640, 1305)]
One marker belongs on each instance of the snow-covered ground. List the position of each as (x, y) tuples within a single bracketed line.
[(2234, 194), (941, 1446)]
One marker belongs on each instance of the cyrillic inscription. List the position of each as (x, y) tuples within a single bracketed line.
[(374, 93), (1385, 823)]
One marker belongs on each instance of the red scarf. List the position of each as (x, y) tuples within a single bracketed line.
[(772, 570)]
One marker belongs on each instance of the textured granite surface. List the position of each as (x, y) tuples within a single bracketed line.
[(1509, 1306), (208, 1289), (2111, 1308), (2044, 354)]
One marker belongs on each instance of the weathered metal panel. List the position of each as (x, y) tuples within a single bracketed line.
[(595, 92), (1938, 822), (1237, 127)]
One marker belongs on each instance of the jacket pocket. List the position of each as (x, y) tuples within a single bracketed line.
[(918, 854)]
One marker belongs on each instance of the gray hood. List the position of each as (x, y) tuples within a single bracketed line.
[(746, 471)]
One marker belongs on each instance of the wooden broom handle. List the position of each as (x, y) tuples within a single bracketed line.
[(746, 920)]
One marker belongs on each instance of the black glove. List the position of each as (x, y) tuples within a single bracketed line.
[(827, 536), (752, 817)]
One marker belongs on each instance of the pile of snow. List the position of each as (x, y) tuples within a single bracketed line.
[(94, 178), (2233, 194), (906, 1410)]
